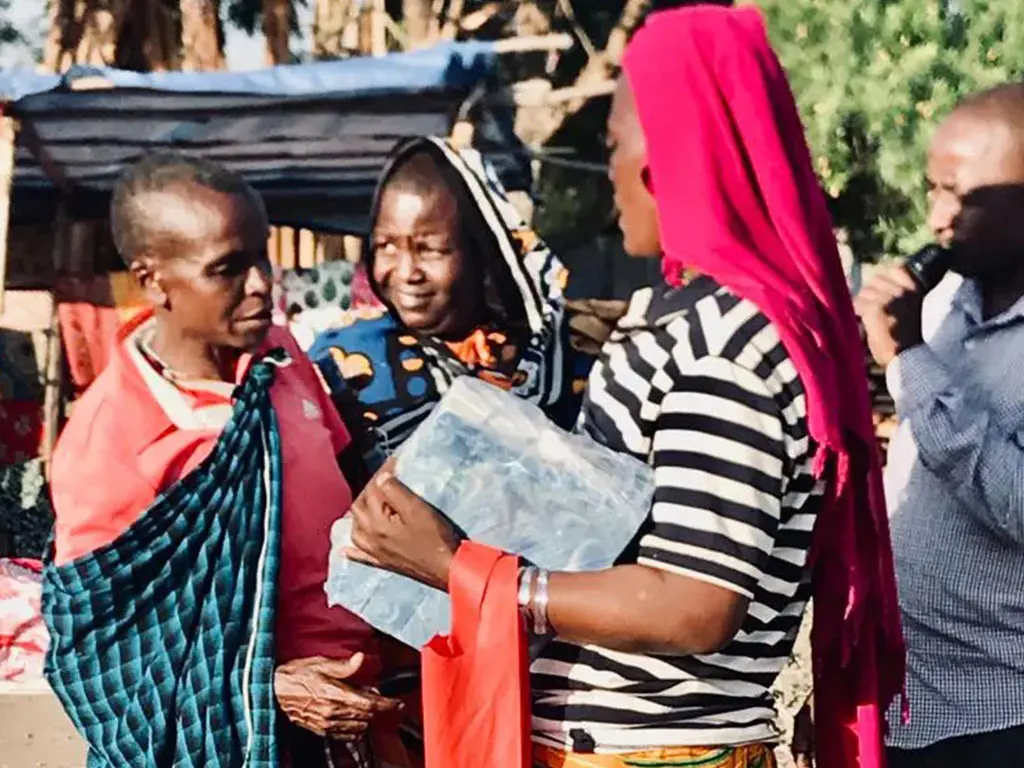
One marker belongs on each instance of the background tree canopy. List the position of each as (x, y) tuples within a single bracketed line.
[(872, 79)]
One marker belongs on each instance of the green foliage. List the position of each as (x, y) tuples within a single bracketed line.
[(873, 78), (247, 15)]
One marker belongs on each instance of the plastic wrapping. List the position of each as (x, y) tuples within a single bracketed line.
[(506, 477)]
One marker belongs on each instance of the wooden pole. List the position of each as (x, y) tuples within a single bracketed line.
[(379, 29), (52, 388), (53, 368), (288, 260), (8, 137), (352, 248), (306, 249), (558, 41), (374, 39)]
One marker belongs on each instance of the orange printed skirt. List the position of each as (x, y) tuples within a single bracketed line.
[(749, 756)]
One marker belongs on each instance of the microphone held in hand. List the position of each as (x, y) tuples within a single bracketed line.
[(929, 265)]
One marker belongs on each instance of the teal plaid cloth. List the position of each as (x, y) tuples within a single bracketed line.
[(163, 641)]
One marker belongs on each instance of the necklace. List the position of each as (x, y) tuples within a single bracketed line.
[(144, 345)]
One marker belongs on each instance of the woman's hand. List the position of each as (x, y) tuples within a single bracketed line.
[(394, 529), (313, 695)]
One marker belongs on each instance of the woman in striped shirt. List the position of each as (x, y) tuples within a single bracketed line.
[(741, 381)]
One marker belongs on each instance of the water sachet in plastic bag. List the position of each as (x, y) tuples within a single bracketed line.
[(507, 477)]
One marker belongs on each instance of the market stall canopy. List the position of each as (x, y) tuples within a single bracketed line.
[(312, 138)]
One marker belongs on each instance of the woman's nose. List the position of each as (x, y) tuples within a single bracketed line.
[(407, 266)]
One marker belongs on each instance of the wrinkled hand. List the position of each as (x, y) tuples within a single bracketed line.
[(314, 696), (889, 306), (591, 322), (803, 735), (394, 529)]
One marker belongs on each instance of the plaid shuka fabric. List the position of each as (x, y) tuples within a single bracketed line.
[(162, 643)]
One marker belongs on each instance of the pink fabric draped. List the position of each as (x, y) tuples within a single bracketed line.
[(738, 200)]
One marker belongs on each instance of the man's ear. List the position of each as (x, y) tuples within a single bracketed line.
[(147, 272)]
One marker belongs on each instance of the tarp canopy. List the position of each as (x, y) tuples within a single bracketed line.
[(312, 138)]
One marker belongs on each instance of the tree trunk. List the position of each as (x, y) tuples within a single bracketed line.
[(140, 35), (598, 69), (82, 32), (202, 36), (417, 15), (277, 31), (330, 17), (372, 29), (149, 39)]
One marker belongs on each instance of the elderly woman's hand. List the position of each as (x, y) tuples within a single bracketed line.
[(394, 529), (313, 694)]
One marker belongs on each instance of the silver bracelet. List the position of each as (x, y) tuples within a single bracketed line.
[(540, 605), (527, 577)]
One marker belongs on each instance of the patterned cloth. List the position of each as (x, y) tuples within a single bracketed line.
[(749, 756), (21, 430), (400, 377), (162, 642), (25, 512), (955, 488), (325, 285)]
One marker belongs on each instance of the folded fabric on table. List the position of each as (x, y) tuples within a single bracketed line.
[(23, 635), (506, 477)]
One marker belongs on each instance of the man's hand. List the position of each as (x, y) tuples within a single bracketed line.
[(311, 692), (889, 306), (591, 322)]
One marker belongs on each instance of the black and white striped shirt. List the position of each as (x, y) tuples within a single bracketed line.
[(696, 381)]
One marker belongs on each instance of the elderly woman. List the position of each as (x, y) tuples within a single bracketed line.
[(469, 290), (741, 382)]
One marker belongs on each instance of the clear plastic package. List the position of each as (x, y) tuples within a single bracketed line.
[(507, 477)]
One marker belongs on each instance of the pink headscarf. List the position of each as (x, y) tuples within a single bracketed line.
[(738, 201)]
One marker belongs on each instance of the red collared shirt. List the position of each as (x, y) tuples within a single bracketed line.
[(128, 440)]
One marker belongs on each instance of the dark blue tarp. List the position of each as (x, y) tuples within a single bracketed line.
[(312, 138)]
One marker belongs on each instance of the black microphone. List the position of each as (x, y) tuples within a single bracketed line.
[(929, 265)]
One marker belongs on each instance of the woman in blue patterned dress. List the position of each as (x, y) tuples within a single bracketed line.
[(469, 290)]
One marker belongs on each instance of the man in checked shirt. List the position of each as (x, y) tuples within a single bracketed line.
[(955, 479)]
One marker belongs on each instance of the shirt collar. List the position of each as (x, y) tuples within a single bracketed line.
[(968, 301), (139, 405)]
